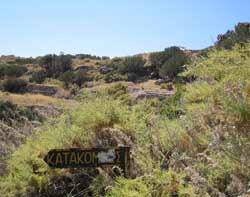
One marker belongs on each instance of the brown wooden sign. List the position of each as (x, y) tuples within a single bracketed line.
[(95, 157)]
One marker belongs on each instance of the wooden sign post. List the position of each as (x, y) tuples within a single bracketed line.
[(95, 157)]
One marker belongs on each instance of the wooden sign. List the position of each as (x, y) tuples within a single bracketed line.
[(95, 157)]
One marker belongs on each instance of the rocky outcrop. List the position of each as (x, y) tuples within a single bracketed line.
[(138, 93), (13, 131), (37, 89), (10, 138), (47, 111), (104, 70), (41, 89)]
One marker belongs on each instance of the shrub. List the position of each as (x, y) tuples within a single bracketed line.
[(132, 77), (112, 77), (56, 65), (134, 64), (14, 85), (38, 77), (158, 184), (67, 77), (81, 77), (240, 34), (12, 70), (168, 86), (173, 66), (169, 62), (10, 112)]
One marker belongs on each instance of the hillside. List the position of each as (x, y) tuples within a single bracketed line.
[(185, 115)]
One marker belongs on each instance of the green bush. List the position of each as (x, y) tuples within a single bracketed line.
[(56, 65), (112, 77), (67, 77), (12, 70), (158, 184), (81, 77), (134, 64), (14, 85), (169, 63), (240, 34), (38, 77), (10, 112)]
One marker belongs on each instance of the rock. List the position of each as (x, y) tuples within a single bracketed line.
[(36, 123), (41, 89), (10, 138), (104, 70), (111, 137), (200, 184), (205, 159), (47, 111), (82, 67), (236, 187), (160, 81), (138, 94)]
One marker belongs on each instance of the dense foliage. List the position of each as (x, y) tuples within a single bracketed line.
[(14, 85), (194, 144), (10, 70), (240, 34), (56, 64), (10, 113), (169, 62), (38, 77)]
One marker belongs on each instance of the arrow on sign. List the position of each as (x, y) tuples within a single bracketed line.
[(80, 158)]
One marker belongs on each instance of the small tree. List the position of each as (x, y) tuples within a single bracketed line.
[(173, 66), (14, 85), (81, 77), (134, 64), (169, 62), (12, 70), (240, 34), (38, 77), (56, 65), (68, 77)]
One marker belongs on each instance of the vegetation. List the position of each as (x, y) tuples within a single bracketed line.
[(71, 77), (56, 65), (169, 63), (195, 143), (240, 34), (134, 64), (38, 77), (10, 112), (12, 70), (14, 85)]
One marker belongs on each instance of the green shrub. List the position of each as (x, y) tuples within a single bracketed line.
[(160, 183), (81, 77), (240, 34), (169, 63), (167, 86), (38, 77), (10, 112), (12, 70), (56, 65), (134, 64), (112, 77), (14, 85), (67, 77)]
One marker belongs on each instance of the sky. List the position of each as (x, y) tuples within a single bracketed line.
[(114, 27)]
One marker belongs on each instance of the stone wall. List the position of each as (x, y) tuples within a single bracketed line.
[(41, 89)]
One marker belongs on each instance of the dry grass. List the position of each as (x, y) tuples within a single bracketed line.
[(35, 99)]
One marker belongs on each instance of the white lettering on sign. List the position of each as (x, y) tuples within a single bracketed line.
[(106, 157)]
